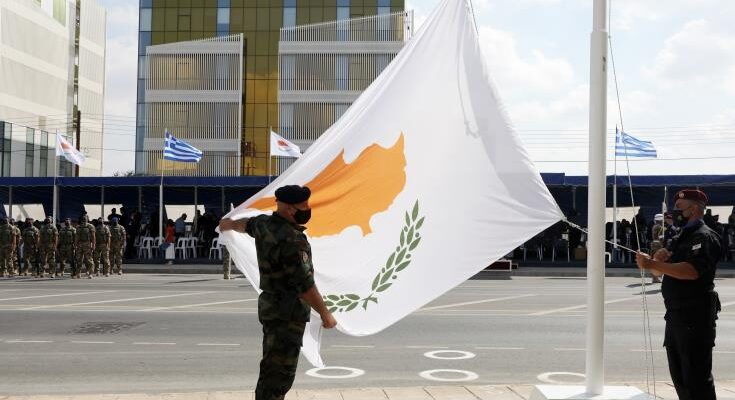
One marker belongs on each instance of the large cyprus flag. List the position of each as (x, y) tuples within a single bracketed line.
[(421, 184)]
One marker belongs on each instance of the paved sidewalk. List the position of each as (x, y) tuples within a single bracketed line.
[(664, 390)]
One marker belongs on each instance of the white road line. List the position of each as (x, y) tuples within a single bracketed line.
[(197, 305), (344, 346), (556, 310), (467, 303), (116, 300), (500, 348), (218, 344), (154, 343), (567, 349), (645, 351), (89, 342), (28, 341), (723, 352), (730, 303), (427, 347), (55, 295)]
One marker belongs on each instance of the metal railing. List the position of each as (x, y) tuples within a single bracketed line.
[(395, 27)]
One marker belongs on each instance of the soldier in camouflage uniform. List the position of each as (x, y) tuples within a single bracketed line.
[(118, 237), (287, 284), (47, 248), (18, 235), (31, 236), (7, 245), (84, 243), (67, 237), (226, 262), (101, 248)]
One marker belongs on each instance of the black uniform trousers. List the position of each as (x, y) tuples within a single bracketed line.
[(689, 339)]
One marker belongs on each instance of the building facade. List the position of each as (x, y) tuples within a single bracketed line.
[(259, 22), (52, 66)]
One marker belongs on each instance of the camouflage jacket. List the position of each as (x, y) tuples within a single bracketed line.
[(49, 233), (84, 233), (102, 234), (6, 235), (284, 262), (30, 237), (117, 235), (67, 235)]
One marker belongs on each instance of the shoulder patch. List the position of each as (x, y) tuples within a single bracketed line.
[(697, 246), (305, 256)]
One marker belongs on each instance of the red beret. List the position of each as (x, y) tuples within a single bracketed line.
[(692, 194)]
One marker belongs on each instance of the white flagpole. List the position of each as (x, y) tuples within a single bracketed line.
[(161, 233), (596, 201), (56, 189), (615, 193), (270, 152)]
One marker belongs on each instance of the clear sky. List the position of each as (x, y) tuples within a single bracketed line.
[(675, 65)]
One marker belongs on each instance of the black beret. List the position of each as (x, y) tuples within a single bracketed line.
[(293, 194)]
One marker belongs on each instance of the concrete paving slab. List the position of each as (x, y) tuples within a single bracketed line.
[(317, 395), (450, 393), (363, 394), (231, 396), (524, 391), (493, 393), (408, 393)]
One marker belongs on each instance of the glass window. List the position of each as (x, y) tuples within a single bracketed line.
[(144, 40), (43, 167), (289, 17), (383, 3), (383, 10), (29, 151), (343, 3), (223, 16), (223, 3), (343, 13), (146, 3), (145, 19), (6, 148), (289, 3)]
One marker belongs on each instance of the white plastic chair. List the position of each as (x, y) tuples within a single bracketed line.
[(157, 242), (215, 250), (146, 247), (191, 246), (180, 248)]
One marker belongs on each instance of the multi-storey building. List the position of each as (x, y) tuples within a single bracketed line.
[(52, 68), (259, 22)]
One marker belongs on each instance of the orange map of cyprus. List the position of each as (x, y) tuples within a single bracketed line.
[(343, 195)]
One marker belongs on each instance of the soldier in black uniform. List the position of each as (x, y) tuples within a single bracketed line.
[(692, 304), (287, 284)]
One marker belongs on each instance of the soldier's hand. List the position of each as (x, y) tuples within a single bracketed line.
[(643, 260), (662, 255), (328, 320)]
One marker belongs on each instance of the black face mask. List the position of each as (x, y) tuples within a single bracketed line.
[(302, 216), (678, 218)]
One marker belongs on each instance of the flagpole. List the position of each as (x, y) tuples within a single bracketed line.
[(615, 193), (55, 206), (270, 152), (161, 233)]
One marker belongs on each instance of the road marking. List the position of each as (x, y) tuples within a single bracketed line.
[(89, 342), (467, 303), (730, 303), (352, 372), (116, 300), (438, 355), (500, 348), (646, 351), (556, 310), (154, 343), (28, 341), (547, 378), (427, 347), (218, 344), (724, 352), (55, 295), (344, 346), (568, 349), (197, 305), (466, 375)]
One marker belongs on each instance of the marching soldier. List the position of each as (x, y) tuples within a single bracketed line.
[(102, 248), (47, 249), (118, 237), (226, 262), (67, 237), (31, 235), (17, 234), (84, 243), (7, 244)]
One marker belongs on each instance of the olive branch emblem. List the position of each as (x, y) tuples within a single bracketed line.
[(397, 262)]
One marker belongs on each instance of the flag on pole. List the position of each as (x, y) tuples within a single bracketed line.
[(282, 147), (178, 150), (627, 145), (64, 148), (397, 181)]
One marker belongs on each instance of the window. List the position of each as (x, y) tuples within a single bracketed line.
[(5, 146), (223, 3), (289, 17), (43, 167), (29, 151), (145, 19), (144, 40), (223, 21), (146, 3)]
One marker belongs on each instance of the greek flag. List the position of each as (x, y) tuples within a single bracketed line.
[(178, 150), (626, 145)]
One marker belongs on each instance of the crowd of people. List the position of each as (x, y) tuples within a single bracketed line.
[(640, 233)]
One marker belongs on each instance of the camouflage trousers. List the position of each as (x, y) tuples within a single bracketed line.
[(101, 256), (6, 261), (85, 259), (116, 257), (281, 347), (66, 254), (226, 263), (16, 264), (30, 260), (47, 256)]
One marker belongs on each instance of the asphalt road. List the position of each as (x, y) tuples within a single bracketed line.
[(197, 333)]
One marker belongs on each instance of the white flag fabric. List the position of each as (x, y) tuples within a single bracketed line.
[(282, 147), (64, 148), (419, 186)]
